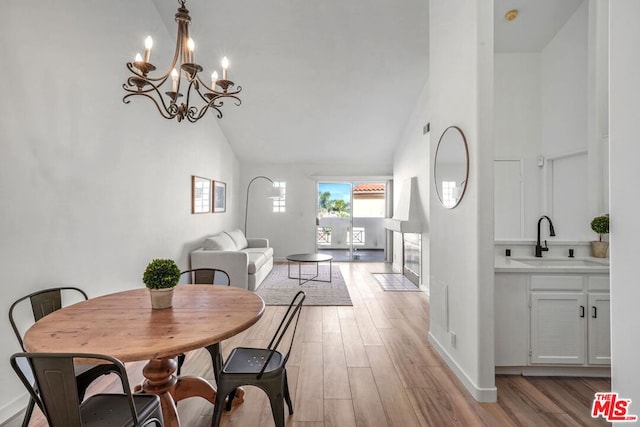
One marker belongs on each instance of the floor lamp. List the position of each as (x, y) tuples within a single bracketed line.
[(275, 194)]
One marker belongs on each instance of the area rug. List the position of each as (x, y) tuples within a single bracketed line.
[(278, 289)]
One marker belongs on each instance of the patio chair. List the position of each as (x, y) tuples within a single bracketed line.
[(27, 310), (261, 367), (55, 391)]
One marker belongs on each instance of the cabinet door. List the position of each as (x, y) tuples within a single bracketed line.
[(558, 327), (599, 329), (511, 320)]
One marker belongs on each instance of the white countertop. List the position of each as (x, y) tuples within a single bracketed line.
[(522, 264)]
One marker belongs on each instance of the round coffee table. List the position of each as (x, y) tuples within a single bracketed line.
[(308, 258)]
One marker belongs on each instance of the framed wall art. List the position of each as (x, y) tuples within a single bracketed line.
[(200, 195), (219, 196)]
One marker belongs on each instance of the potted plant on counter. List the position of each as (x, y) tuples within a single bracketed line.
[(600, 225), (161, 276)]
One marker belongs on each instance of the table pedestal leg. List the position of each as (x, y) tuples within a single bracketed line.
[(160, 379)]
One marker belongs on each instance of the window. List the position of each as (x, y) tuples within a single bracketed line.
[(449, 193), (280, 203)]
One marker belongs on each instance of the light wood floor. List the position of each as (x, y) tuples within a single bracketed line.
[(371, 365)]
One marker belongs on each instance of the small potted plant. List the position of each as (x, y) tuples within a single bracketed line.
[(600, 225), (161, 276)]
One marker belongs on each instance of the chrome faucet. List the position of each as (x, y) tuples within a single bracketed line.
[(552, 233)]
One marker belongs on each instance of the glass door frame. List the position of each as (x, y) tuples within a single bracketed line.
[(346, 234)]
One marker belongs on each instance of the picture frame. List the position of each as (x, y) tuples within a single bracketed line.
[(219, 196), (200, 195)]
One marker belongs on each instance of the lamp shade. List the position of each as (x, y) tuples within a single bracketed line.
[(275, 193)]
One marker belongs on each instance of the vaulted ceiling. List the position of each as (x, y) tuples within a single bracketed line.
[(333, 81)]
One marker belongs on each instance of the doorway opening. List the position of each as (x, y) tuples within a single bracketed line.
[(349, 223)]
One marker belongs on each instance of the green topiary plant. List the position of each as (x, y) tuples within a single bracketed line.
[(600, 225), (161, 274)]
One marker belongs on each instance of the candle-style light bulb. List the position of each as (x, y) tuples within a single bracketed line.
[(148, 44), (225, 65), (138, 57), (174, 77), (214, 79), (191, 46)]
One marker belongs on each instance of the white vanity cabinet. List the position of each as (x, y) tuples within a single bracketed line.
[(599, 321), (558, 319), (511, 320), (546, 319)]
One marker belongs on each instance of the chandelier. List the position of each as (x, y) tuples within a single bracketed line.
[(182, 73)]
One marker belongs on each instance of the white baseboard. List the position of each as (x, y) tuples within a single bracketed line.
[(485, 395), (555, 371), (14, 407)]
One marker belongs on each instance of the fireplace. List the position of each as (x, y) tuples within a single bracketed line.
[(412, 256), (407, 220)]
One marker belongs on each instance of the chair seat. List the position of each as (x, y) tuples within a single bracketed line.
[(251, 360), (113, 409)]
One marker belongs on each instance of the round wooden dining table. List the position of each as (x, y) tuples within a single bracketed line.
[(125, 326)]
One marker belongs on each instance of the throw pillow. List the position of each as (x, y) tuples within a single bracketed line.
[(238, 238), (219, 242)]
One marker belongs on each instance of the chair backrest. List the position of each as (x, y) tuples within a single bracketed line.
[(293, 312), (41, 303), (205, 276), (55, 390)]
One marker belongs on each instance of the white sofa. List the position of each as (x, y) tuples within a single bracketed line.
[(246, 261)]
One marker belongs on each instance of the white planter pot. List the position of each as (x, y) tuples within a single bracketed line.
[(161, 298), (599, 249)]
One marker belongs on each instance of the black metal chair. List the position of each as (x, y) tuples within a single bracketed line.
[(27, 310), (56, 393), (261, 367), (206, 276)]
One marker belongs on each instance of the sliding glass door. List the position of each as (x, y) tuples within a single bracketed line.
[(349, 221)]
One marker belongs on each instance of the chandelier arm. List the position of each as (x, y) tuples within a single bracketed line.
[(191, 84), (183, 19), (136, 73), (232, 94), (169, 112), (202, 112), (238, 102), (202, 96), (132, 87), (205, 86), (192, 113), (166, 114)]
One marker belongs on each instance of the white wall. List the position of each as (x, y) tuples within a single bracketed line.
[(564, 125), (461, 239), (91, 189), (517, 137), (625, 205), (563, 76), (412, 158), (551, 104)]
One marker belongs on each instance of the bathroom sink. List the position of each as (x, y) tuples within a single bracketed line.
[(562, 262)]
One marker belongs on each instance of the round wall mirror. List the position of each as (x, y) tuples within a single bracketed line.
[(451, 167)]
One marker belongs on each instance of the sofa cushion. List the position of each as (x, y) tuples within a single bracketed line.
[(219, 242), (238, 238), (257, 258)]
